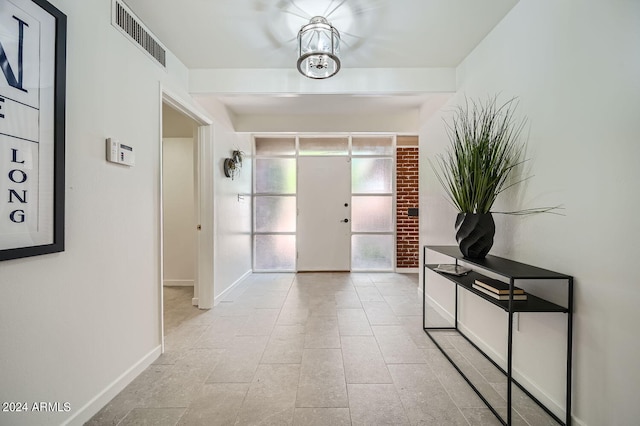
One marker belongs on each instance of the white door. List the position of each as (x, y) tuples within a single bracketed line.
[(324, 214)]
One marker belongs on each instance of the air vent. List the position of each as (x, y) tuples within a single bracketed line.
[(128, 23)]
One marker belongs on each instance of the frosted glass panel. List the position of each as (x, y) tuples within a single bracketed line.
[(372, 145), (371, 175), (276, 146), (372, 252), (275, 214), (275, 175), (372, 214), (275, 252), (324, 146)]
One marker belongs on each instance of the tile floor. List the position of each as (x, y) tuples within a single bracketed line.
[(310, 349)]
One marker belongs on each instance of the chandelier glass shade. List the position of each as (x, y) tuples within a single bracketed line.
[(318, 49)]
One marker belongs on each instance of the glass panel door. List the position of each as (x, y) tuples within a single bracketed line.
[(370, 212), (318, 145), (372, 186), (274, 204)]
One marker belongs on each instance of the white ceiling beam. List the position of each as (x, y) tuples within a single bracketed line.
[(404, 122), (378, 81)]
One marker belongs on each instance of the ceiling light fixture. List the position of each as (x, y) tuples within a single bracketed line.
[(318, 49)]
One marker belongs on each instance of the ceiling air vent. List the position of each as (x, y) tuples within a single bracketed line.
[(128, 23)]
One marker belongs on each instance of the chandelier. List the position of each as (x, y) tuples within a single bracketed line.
[(318, 49)]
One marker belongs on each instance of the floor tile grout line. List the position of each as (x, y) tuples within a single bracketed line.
[(446, 389), (386, 365), (244, 399), (473, 366), (469, 361), (250, 306)]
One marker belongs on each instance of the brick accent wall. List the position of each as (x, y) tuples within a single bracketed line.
[(407, 245)]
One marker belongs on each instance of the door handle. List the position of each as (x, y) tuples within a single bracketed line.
[(345, 220)]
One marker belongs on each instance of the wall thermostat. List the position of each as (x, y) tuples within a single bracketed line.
[(120, 153)]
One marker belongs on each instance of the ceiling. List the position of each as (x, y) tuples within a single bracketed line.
[(255, 34)]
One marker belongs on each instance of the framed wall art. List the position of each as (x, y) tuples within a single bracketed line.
[(32, 128)]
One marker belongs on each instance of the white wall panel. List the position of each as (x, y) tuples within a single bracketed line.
[(574, 66), (76, 326), (232, 211)]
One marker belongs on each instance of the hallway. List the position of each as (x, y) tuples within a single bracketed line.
[(307, 349)]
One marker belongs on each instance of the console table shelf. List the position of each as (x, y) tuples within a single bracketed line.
[(532, 304), (512, 271), (501, 266)]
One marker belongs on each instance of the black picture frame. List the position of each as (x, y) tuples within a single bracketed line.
[(32, 131)]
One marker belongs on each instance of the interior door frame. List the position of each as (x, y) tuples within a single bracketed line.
[(203, 163)]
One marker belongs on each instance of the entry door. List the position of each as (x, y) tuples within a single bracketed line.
[(324, 214)]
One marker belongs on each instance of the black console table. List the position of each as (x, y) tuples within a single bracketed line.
[(512, 271)]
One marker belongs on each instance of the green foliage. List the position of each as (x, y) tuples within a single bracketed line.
[(484, 151)]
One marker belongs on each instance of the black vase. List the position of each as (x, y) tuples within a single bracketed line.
[(474, 233)]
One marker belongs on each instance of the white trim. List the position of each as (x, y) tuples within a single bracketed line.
[(576, 420), (521, 378), (161, 224), (206, 210), (178, 283), (228, 290), (112, 389), (195, 301), (180, 104), (407, 270), (440, 309)]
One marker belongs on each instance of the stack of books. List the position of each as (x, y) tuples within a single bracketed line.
[(498, 289)]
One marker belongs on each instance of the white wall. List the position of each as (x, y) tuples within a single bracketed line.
[(179, 215), (73, 323), (232, 227), (232, 214), (575, 67), (232, 246)]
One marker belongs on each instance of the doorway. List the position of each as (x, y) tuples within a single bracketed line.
[(179, 213), (186, 217), (179, 133), (293, 174)]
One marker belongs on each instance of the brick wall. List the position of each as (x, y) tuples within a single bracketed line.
[(407, 246)]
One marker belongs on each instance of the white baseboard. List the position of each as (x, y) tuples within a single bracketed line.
[(438, 307), (96, 403), (407, 270), (226, 291), (195, 301), (521, 378), (178, 283), (577, 421)]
